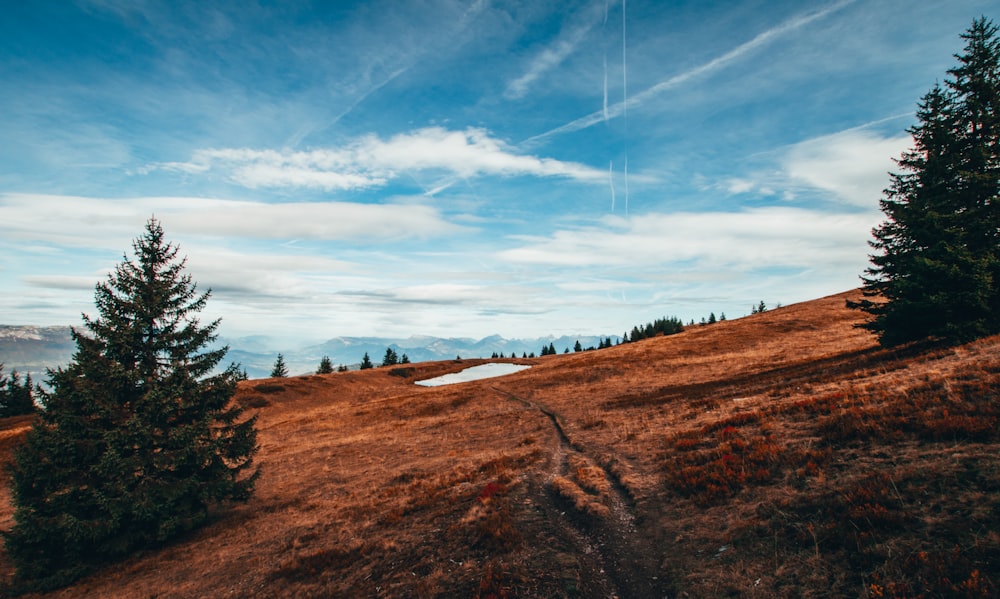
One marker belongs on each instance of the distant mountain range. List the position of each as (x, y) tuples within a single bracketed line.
[(33, 349)]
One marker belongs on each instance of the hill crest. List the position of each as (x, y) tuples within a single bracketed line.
[(783, 454)]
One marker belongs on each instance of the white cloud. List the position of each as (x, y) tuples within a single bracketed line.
[(370, 161), (104, 223), (70, 282), (853, 165), (850, 167), (739, 241), (738, 185)]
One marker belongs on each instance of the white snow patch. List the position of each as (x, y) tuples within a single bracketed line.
[(475, 373)]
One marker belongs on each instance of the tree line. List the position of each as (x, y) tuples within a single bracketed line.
[(16, 397)]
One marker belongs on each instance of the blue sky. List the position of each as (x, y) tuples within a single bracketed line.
[(457, 168)]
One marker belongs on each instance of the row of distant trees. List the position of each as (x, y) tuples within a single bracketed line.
[(392, 358), (660, 326)]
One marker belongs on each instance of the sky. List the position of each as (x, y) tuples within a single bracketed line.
[(457, 168)]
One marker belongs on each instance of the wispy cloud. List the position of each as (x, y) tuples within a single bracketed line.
[(715, 64), (370, 161), (853, 166), (850, 168), (105, 223), (739, 241), (569, 38)]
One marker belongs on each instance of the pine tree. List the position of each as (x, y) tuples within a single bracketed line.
[(138, 438), (325, 366), (366, 362), (404, 359), (937, 266), (280, 370), (391, 358), (577, 347)]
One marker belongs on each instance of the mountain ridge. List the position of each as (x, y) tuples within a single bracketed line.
[(32, 348)]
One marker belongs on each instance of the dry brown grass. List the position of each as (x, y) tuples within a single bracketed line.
[(779, 455)]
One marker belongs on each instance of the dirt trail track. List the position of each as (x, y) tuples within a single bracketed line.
[(624, 559)]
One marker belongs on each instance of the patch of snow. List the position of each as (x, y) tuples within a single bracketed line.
[(475, 373)]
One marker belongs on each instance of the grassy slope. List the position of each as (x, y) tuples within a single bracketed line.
[(782, 454)]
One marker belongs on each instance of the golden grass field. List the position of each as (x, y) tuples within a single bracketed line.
[(784, 454)]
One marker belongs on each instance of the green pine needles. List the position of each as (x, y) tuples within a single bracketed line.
[(937, 266), (138, 438)]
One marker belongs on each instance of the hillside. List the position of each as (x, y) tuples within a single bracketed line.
[(779, 455)]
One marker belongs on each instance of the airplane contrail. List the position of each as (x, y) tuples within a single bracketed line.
[(625, 103), (605, 109), (758, 41), (611, 182)]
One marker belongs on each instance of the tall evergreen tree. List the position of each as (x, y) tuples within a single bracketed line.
[(138, 438), (366, 362), (936, 268)]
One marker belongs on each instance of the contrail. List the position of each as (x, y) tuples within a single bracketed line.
[(715, 64), (626, 185), (611, 181), (624, 104), (605, 109), (624, 71)]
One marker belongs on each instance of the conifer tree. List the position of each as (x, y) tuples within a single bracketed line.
[(366, 362), (391, 357), (138, 438), (404, 359), (325, 366), (280, 370), (937, 261)]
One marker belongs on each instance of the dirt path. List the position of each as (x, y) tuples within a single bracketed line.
[(616, 558)]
